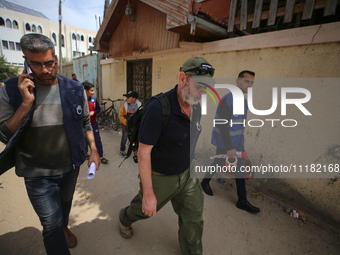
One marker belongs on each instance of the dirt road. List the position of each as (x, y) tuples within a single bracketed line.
[(227, 230)]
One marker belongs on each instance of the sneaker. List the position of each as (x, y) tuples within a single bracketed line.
[(135, 159), (125, 232), (123, 154)]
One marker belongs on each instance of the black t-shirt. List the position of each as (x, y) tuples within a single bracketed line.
[(172, 153)]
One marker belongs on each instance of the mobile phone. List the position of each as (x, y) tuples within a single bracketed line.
[(27, 67)]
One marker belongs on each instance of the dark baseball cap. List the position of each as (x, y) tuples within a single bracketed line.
[(200, 70), (131, 93)]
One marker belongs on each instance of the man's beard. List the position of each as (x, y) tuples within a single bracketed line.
[(188, 99), (44, 81)]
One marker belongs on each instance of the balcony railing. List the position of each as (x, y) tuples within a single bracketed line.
[(243, 13)]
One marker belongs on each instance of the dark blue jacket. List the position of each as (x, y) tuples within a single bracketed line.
[(72, 101)]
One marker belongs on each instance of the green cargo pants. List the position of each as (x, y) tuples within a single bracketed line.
[(186, 197)]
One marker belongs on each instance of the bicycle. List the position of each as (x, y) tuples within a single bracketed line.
[(109, 115)]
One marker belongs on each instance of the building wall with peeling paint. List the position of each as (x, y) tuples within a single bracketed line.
[(86, 69)]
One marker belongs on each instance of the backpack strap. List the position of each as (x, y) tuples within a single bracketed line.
[(166, 109)]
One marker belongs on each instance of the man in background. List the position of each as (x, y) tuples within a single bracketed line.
[(74, 77), (229, 139)]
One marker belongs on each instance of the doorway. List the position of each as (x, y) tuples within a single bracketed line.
[(139, 78)]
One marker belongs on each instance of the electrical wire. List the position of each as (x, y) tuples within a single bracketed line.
[(313, 39)]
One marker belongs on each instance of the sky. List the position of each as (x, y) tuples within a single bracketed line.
[(80, 13)]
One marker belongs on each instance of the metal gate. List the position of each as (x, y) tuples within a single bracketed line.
[(86, 69), (139, 78)]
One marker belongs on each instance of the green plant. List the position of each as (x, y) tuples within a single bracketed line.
[(6, 70)]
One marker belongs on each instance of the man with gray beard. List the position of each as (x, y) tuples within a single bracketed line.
[(165, 155)]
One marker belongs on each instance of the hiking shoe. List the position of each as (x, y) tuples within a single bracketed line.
[(125, 232), (123, 154)]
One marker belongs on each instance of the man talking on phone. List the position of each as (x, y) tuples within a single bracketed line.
[(52, 147)]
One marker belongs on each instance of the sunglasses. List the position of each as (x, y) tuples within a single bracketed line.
[(202, 70)]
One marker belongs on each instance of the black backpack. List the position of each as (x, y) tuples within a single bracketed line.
[(136, 118)]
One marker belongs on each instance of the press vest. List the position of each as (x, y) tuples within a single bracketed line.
[(72, 100), (236, 124)]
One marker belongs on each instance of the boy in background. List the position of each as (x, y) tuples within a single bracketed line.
[(94, 109), (129, 107)]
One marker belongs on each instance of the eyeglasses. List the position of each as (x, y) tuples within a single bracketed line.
[(36, 65), (203, 69)]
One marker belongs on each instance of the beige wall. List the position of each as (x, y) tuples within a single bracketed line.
[(67, 30), (114, 80), (68, 70), (22, 17), (311, 142), (315, 137)]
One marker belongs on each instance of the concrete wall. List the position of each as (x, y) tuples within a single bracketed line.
[(68, 70), (113, 80), (280, 59), (314, 140)]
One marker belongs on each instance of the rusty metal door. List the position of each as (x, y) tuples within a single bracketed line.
[(139, 78), (86, 69)]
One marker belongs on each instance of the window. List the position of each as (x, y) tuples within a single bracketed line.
[(39, 29), (17, 46), (34, 28), (77, 54), (54, 39), (2, 22), (82, 38), (62, 41), (4, 45), (8, 23), (15, 24), (28, 27), (73, 36), (11, 46), (78, 37), (90, 40)]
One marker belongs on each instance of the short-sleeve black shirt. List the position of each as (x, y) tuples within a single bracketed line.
[(172, 153)]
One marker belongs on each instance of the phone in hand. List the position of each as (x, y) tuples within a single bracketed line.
[(27, 67), (30, 89)]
